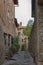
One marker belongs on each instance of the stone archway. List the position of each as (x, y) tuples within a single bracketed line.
[(1, 46)]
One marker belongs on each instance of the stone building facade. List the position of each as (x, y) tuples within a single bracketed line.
[(8, 26), (36, 37), (21, 35)]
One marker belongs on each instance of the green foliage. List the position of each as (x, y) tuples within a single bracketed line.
[(30, 23), (15, 44), (27, 30), (14, 47), (15, 40)]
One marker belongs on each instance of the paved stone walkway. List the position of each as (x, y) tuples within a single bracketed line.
[(21, 58)]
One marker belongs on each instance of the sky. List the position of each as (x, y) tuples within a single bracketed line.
[(23, 11)]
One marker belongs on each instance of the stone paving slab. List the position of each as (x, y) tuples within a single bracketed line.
[(21, 58)]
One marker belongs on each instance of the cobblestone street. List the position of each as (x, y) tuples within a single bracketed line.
[(21, 58)]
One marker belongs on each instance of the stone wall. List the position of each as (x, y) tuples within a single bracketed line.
[(1, 46), (8, 25), (39, 18), (33, 41), (36, 37), (7, 16)]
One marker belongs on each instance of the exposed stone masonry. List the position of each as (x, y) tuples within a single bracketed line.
[(8, 25), (1, 46), (36, 37)]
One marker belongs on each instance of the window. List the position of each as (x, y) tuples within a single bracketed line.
[(15, 2), (5, 38), (8, 40), (22, 40)]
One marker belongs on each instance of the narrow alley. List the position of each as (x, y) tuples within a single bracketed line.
[(21, 32), (21, 58)]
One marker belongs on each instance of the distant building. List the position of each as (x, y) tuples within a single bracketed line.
[(26, 41), (21, 35)]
